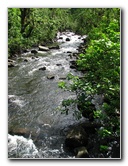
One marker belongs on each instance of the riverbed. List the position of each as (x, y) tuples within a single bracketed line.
[(35, 99)]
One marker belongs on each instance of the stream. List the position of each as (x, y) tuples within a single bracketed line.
[(34, 99)]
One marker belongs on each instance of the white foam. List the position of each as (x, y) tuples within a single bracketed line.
[(15, 99), (20, 147)]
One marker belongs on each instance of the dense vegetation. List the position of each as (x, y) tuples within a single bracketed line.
[(100, 64), (100, 61), (31, 26)]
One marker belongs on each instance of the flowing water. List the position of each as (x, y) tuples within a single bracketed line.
[(34, 100)]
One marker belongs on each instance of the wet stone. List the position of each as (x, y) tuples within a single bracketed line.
[(34, 51), (42, 68), (81, 152), (50, 77), (25, 60), (67, 39), (58, 64), (11, 64)]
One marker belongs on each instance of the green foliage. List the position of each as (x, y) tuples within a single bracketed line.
[(97, 114), (101, 61), (62, 85), (104, 132), (30, 26), (103, 148)]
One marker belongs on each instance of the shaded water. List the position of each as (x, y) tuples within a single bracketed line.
[(34, 99)]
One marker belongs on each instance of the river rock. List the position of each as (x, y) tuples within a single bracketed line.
[(42, 48), (75, 54), (70, 55), (81, 152), (67, 39), (20, 131), (50, 77), (11, 64), (54, 47), (69, 52), (76, 137), (62, 77), (41, 52), (84, 39), (26, 50), (33, 57), (42, 68), (58, 64), (10, 60), (73, 62), (73, 66), (34, 51), (26, 60)]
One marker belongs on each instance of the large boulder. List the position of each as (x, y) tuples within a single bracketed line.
[(43, 48), (76, 137)]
